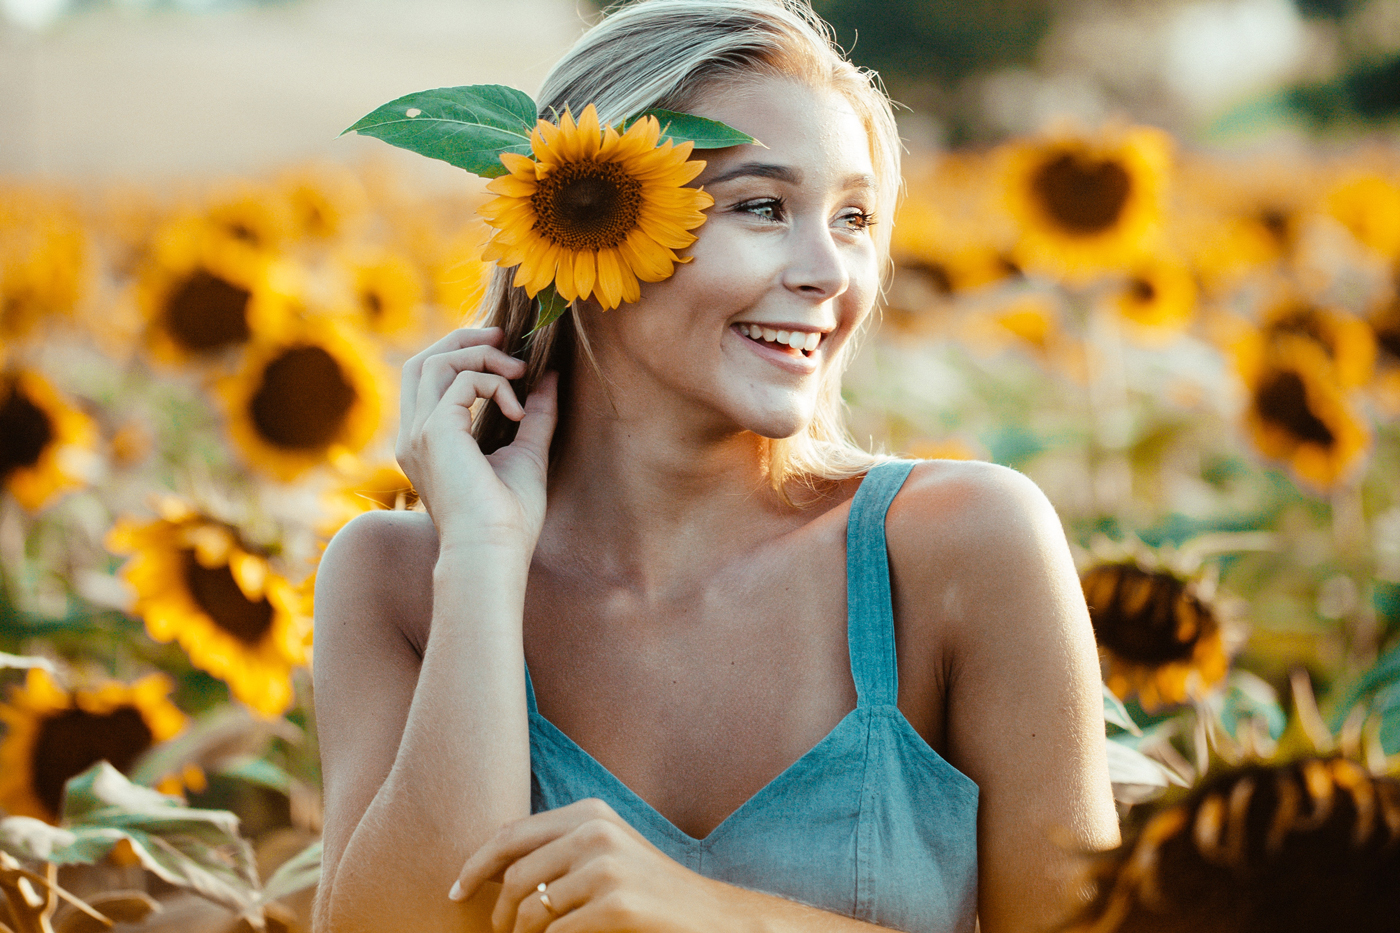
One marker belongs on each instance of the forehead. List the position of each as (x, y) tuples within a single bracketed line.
[(816, 131)]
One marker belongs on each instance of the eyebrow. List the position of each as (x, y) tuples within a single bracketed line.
[(782, 173)]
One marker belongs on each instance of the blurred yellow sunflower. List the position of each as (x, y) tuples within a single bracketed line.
[(365, 489), (324, 201), (1385, 324), (201, 297), (250, 218), (1158, 634), (52, 735), (43, 269), (44, 441), (1300, 416), (595, 211), (1347, 341), (1157, 298), (386, 291), (1085, 206), (197, 582), (1368, 205), (299, 400)]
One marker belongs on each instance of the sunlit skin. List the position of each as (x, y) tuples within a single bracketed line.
[(682, 623)]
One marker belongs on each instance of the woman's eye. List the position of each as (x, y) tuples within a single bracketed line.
[(857, 220), (764, 208)]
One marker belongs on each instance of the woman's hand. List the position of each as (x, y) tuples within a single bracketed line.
[(600, 873), (475, 499)]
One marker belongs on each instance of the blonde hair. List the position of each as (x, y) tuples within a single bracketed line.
[(667, 53)]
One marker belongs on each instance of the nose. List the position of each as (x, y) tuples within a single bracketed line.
[(816, 268)]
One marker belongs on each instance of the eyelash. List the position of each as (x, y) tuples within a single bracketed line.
[(864, 220)]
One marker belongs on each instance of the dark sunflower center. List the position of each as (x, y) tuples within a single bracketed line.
[(1082, 195), (1142, 617), (303, 401), (374, 304), (1388, 336), (587, 205), (217, 593), (1282, 399), (25, 430), (1142, 291), (1278, 223), (207, 313), (73, 740)]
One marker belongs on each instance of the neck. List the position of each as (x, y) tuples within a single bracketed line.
[(649, 490)]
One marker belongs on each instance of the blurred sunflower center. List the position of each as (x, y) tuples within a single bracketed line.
[(71, 741), (1141, 291), (25, 430), (217, 593), (1278, 223), (935, 274), (374, 304), (207, 313), (587, 205), (1146, 618), (1083, 195), (303, 400), (1282, 399), (1388, 336)]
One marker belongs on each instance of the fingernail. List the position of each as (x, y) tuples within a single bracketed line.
[(456, 893)]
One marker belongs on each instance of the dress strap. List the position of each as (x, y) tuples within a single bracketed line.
[(530, 705), (869, 611)]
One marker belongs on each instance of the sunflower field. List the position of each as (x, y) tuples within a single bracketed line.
[(1196, 355)]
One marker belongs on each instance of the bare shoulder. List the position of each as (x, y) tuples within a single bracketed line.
[(379, 566), (976, 542)]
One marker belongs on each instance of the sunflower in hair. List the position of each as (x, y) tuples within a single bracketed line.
[(199, 583), (1086, 205), (1159, 634), (43, 439), (52, 735), (595, 212), (1284, 848), (300, 399)]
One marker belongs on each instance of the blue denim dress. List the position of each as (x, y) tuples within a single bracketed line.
[(871, 822)]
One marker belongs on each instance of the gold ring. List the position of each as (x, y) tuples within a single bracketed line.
[(544, 899)]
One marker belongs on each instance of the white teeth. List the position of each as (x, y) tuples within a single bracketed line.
[(797, 340), (769, 334), (811, 342), (783, 336), (744, 329)]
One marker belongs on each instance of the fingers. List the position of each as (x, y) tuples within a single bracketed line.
[(517, 839), (440, 371), (413, 369), (541, 415)]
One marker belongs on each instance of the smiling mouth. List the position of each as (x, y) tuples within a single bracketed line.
[(796, 343)]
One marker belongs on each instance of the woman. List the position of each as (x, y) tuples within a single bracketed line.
[(773, 682)]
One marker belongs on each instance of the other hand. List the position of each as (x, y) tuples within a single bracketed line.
[(599, 873)]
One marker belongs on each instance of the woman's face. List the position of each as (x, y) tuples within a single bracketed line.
[(786, 252)]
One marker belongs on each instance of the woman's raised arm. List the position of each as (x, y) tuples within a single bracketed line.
[(978, 552), (419, 666)]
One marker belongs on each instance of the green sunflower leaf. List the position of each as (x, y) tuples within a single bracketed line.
[(299, 872), (701, 132), (551, 306), (1116, 714), (468, 127)]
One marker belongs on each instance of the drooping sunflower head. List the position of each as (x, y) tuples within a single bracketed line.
[(52, 735), (1299, 415), (1158, 637), (300, 399), (44, 440), (199, 583), (595, 212), (1293, 848), (1085, 205)]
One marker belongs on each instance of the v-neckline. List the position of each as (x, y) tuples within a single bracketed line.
[(659, 818)]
